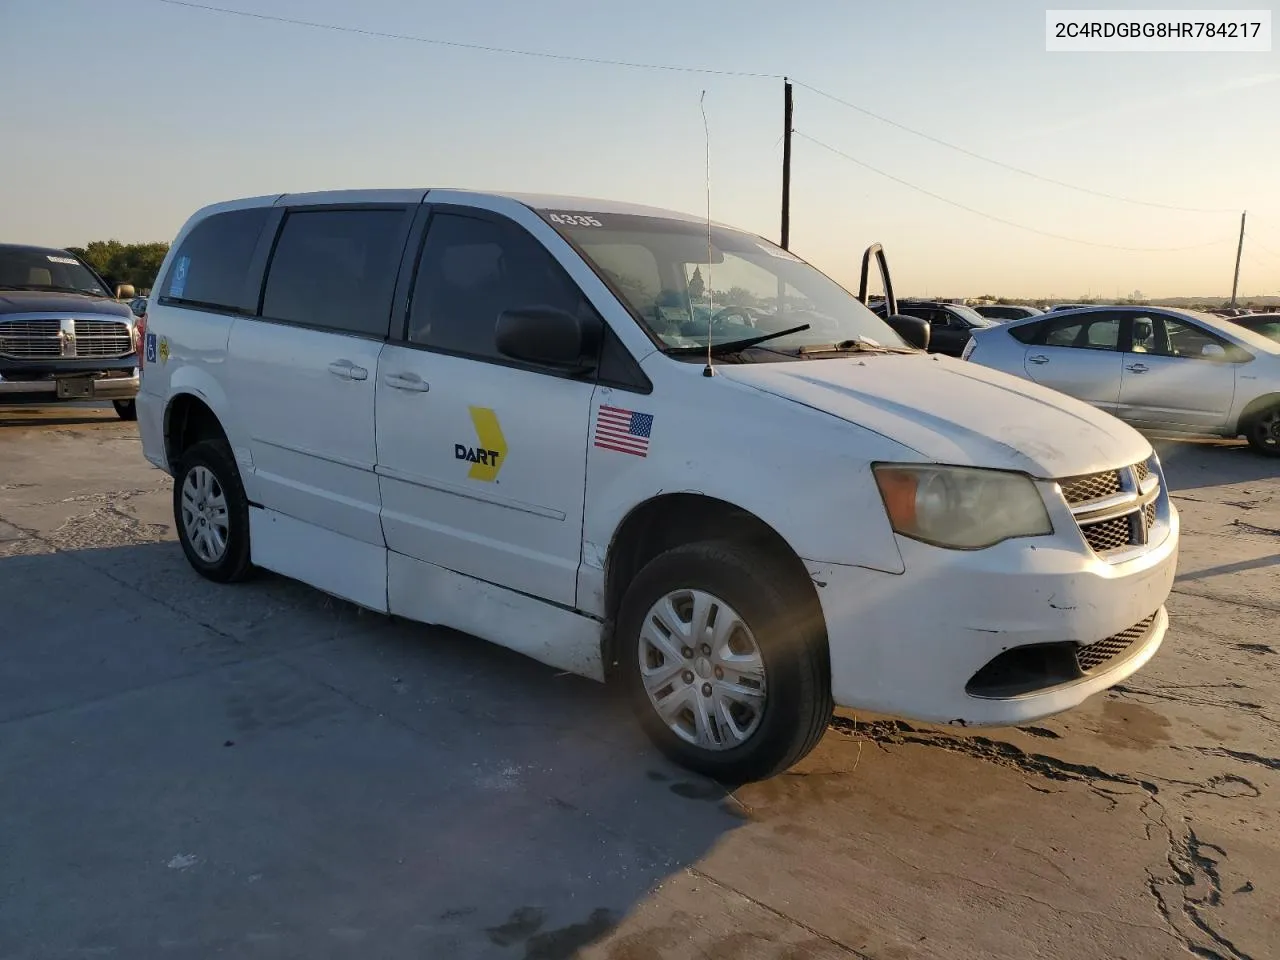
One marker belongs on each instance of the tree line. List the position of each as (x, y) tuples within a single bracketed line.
[(116, 262)]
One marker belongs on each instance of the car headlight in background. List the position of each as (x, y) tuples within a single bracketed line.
[(961, 508)]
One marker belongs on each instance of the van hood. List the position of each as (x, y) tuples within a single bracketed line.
[(950, 411), (57, 301)]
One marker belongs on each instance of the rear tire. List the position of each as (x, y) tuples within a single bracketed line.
[(776, 627), (1263, 431), (126, 409), (211, 512)]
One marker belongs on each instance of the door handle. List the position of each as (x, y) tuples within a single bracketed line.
[(1038, 358), (1137, 368), (348, 370), (406, 381)]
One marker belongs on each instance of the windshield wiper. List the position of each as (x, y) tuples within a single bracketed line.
[(852, 346), (51, 288), (733, 346)]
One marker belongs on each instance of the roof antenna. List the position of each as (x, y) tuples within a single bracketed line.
[(711, 296)]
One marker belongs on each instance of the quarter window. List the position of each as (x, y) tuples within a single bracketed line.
[(471, 270), (210, 267), (336, 269)]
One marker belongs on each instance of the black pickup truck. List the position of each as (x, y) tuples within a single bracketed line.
[(63, 335)]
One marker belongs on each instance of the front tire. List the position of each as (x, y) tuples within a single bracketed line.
[(211, 512), (126, 409), (725, 660), (1263, 432)]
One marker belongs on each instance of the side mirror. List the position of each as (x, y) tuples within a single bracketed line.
[(125, 291), (914, 330), (1213, 351), (550, 338)]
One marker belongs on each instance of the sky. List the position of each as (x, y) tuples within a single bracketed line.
[(121, 117)]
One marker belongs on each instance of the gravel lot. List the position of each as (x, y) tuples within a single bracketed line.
[(189, 770)]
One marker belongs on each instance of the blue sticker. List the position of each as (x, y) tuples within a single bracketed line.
[(151, 348), (178, 280)]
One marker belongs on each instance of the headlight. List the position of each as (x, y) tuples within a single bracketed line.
[(961, 508)]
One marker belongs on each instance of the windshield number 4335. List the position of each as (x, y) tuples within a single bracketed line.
[(574, 220)]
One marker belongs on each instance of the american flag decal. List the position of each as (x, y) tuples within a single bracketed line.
[(624, 431)]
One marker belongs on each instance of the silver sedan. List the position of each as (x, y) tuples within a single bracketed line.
[(1175, 371)]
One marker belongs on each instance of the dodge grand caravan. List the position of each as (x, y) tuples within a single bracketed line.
[(649, 451)]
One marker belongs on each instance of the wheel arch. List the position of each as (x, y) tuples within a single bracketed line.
[(188, 419), (669, 520), (1254, 407)]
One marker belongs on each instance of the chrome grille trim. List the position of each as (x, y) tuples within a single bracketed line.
[(1115, 509), (38, 337), (31, 339)]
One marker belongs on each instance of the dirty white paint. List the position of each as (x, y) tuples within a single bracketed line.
[(352, 456), (182, 861)]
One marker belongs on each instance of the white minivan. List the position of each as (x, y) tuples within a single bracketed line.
[(642, 448)]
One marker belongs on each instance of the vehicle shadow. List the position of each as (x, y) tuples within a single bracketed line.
[(56, 415), (1201, 463), (292, 776)]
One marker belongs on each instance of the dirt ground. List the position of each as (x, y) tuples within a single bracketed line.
[(189, 770)]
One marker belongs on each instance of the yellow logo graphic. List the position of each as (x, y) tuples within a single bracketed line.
[(490, 454), (164, 350)]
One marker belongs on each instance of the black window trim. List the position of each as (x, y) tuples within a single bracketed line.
[(409, 212), (403, 303)]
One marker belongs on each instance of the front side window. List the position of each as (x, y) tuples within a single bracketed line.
[(684, 290), (210, 267), (1182, 339), (471, 270), (336, 269), (26, 268)]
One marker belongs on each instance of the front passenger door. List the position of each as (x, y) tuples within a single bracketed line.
[(481, 458), (1177, 375)]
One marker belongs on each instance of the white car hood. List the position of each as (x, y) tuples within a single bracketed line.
[(950, 411)]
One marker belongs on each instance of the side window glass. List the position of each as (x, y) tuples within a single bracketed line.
[(336, 269), (470, 271), (1027, 332), (1099, 331), (1142, 335), (1187, 340), (209, 268)]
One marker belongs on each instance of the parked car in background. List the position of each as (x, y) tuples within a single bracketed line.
[(1157, 368), (1069, 306), (1002, 312), (950, 324), (63, 336), (486, 412), (1267, 324)]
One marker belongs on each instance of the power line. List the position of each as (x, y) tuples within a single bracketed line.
[(675, 68), (485, 48), (990, 216), (1261, 246), (1001, 164)]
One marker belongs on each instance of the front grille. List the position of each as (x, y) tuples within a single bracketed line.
[(1114, 512), (1108, 535), (103, 338), (1096, 654), (30, 339), (1095, 486)]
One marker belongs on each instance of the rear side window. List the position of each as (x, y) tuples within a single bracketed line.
[(473, 269), (336, 269), (211, 266)]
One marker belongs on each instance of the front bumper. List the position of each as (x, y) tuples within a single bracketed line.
[(32, 383), (909, 644)]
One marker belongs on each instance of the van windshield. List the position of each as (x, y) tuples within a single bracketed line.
[(747, 288), (33, 268)]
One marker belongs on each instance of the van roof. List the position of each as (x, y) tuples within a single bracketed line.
[(538, 201)]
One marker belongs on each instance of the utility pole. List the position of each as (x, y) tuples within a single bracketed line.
[(1235, 284), (787, 107)]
